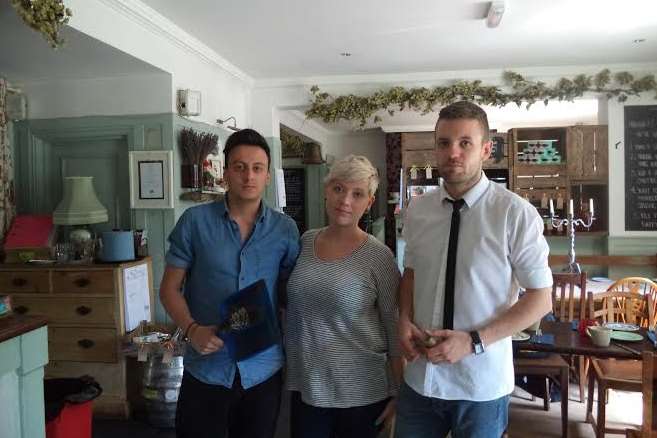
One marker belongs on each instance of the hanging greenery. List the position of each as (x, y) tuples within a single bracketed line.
[(45, 16), (292, 145), (331, 109)]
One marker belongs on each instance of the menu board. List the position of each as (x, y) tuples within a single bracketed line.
[(295, 193), (641, 168)]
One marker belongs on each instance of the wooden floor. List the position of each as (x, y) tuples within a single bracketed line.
[(527, 419)]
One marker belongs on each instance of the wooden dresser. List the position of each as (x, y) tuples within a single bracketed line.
[(85, 308)]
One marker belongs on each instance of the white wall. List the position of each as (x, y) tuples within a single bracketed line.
[(138, 30), (297, 121), (148, 94), (617, 165)]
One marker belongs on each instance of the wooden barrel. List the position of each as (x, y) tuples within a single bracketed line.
[(161, 386)]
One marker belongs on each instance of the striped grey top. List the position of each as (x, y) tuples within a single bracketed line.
[(341, 325)]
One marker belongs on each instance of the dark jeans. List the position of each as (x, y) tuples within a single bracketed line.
[(426, 417), (307, 421), (214, 411)]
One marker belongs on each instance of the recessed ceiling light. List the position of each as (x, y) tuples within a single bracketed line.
[(639, 40), (345, 54)]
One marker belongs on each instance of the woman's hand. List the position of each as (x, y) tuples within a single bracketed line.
[(388, 413), (204, 340)]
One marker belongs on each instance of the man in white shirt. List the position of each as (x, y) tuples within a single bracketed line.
[(469, 246)]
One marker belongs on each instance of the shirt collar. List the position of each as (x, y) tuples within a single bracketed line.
[(263, 212), (471, 196)]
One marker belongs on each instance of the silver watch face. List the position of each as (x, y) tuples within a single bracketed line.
[(478, 348)]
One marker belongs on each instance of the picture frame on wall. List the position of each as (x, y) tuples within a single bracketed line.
[(151, 179)]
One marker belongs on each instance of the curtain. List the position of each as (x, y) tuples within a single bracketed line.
[(7, 199)]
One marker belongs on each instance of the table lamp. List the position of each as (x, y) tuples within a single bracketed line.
[(79, 206)]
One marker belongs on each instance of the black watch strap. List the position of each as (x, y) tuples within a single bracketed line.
[(477, 345)]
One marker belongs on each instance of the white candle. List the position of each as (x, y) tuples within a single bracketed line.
[(570, 207), (551, 207), (591, 206)]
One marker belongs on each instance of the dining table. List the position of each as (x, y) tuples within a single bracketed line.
[(569, 341), (563, 338)]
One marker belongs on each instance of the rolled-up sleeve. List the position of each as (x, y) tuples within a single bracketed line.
[(529, 250), (181, 248)]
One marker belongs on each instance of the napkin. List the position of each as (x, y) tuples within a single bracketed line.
[(546, 338)]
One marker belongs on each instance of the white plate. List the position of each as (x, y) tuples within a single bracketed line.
[(621, 326), (521, 336), (602, 279)]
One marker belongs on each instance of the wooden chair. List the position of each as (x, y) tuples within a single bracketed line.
[(649, 424), (622, 375), (638, 285), (553, 365), (564, 309), (563, 295)]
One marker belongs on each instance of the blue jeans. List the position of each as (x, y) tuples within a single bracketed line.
[(426, 417)]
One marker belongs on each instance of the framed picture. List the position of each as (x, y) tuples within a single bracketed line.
[(151, 179)]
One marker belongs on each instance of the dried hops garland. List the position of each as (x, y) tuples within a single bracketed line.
[(44, 16), (292, 145), (331, 109)]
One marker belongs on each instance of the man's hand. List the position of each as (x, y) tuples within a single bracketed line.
[(452, 346), (204, 340), (410, 336)]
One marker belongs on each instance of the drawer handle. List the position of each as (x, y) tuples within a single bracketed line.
[(82, 282), (21, 310), (19, 282), (86, 343), (83, 310)]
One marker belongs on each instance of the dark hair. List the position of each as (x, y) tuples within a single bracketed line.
[(466, 110), (246, 137)]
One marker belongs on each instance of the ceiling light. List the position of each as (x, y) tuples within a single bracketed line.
[(639, 40), (345, 54), (495, 13)]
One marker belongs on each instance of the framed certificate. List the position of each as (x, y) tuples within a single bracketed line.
[(151, 175)]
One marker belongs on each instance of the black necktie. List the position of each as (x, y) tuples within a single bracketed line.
[(450, 272)]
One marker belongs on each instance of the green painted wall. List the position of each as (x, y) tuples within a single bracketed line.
[(603, 245), (48, 148)]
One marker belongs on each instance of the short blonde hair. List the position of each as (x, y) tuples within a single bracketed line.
[(354, 168)]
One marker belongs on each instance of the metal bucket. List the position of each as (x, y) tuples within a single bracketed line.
[(161, 386)]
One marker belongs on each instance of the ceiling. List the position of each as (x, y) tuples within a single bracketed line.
[(301, 38), (25, 56)]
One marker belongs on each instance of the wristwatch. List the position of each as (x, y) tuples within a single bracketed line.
[(477, 345)]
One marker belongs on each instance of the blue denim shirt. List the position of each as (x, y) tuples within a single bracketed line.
[(207, 243)]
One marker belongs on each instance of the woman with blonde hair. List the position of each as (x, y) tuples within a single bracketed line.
[(343, 361)]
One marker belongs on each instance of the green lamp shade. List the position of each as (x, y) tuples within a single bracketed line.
[(80, 205)]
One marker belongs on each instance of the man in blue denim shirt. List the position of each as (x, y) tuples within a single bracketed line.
[(216, 250)]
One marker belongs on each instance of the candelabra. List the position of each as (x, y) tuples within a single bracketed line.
[(570, 222)]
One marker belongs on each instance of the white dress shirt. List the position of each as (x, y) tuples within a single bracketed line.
[(500, 247)]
